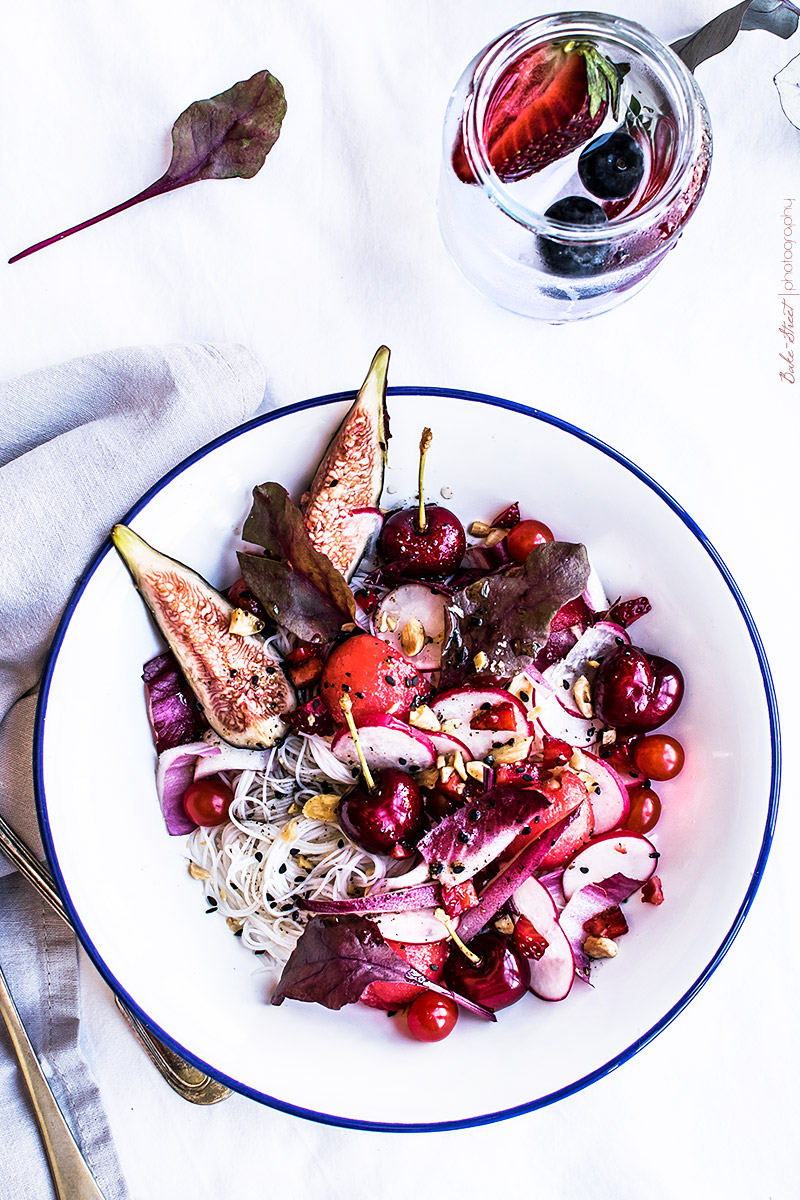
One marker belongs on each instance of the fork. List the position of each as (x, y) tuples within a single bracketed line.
[(189, 1082)]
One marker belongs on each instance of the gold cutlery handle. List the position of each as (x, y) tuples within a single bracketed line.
[(189, 1082), (72, 1178)]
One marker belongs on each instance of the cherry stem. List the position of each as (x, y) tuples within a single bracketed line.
[(424, 445), (346, 706), (442, 916)]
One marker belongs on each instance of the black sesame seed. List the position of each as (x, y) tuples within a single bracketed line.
[(237, 933), (536, 819), (402, 761), (475, 814), (254, 680), (233, 672), (486, 706), (294, 852), (391, 682), (526, 829), (340, 844), (437, 868), (258, 856), (458, 868), (524, 697), (360, 695), (620, 641), (565, 685), (584, 870), (282, 869), (345, 687), (463, 837), (212, 901)]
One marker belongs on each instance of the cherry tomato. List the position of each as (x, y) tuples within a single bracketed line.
[(645, 810), (658, 756), (432, 1017), (523, 537), (207, 801)]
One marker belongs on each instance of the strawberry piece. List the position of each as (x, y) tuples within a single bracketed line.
[(609, 923), (304, 664), (527, 939), (311, 717), (522, 774), (500, 716), (652, 892), (546, 105), (428, 958), (459, 898)]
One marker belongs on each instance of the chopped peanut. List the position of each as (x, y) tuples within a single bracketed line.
[(412, 637), (425, 718), (322, 807), (600, 947), (198, 872), (582, 691), (513, 752), (243, 623)]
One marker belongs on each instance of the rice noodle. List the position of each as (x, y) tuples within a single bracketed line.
[(268, 854)]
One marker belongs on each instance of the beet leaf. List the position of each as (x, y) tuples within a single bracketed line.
[(336, 958), (774, 16), (507, 615), (226, 137), (297, 585)]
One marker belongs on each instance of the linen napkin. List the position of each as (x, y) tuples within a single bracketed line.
[(79, 443)]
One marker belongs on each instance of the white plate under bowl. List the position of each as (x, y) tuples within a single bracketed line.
[(142, 919)]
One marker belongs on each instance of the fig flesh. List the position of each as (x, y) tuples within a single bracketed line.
[(240, 686), (340, 507)]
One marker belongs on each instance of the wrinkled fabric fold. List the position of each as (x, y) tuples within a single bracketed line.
[(79, 444)]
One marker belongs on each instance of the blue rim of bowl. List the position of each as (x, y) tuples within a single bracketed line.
[(482, 1118)]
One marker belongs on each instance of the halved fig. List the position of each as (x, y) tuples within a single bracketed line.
[(241, 687), (340, 508)]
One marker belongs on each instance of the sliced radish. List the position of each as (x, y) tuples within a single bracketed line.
[(594, 644), (420, 927), (622, 853), (610, 800), (459, 707), (572, 839), (445, 743), (408, 602), (386, 742), (595, 594), (553, 973), (554, 721)]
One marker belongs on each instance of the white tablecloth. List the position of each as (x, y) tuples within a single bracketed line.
[(332, 249)]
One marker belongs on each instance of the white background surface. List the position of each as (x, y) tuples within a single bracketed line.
[(332, 249)]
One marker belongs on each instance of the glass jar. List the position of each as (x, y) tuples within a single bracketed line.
[(493, 213)]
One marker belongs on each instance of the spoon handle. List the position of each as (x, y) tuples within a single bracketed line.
[(72, 1178), (189, 1082)]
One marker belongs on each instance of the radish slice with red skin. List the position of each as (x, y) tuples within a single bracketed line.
[(552, 974), (595, 594), (445, 743), (554, 721), (610, 800), (420, 927), (594, 644), (386, 742), (463, 704), (412, 601), (621, 853)]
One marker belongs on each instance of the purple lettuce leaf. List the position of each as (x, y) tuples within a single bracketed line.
[(174, 773), (467, 840), (297, 585), (225, 137), (336, 958), (507, 615), (502, 887), (588, 902), (175, 717), (426, 895)]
